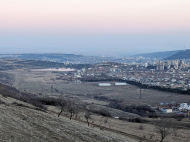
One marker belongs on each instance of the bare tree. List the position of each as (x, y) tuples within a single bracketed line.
[(151, 135), (103, 123), (72, 108), (163, 127), (141, 127), (87, 116), (174, 128), (62, 102), (106, 122)]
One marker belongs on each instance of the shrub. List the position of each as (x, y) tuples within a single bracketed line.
[(105, 113), (123, 118), (179, 118), (15, 103), (137, 120), (141, 127), (101, 112), (143, 110), (153, 116), (1, 102)]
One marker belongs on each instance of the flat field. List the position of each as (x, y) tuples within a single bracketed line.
[(48, 84)]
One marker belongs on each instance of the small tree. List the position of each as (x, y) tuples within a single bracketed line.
[(87, 116), (62, 102), (72, 108), (163, 127), (106, 122)]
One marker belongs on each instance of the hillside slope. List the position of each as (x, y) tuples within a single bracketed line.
[(181, 55), (158, 55), (25, 124)]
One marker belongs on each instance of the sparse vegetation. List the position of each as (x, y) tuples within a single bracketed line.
[(141, 127), (163, 127), (2, 102), (137, 120), (72, 108), (62, 103), (143, 110), (87, 116), (102, 112)]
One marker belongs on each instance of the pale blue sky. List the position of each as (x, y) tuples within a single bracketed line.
[(101, 27), (94, 44)]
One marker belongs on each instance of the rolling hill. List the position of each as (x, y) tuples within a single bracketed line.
[(159, 55), (180, 55)]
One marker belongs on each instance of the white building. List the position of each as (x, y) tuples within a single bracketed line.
[(173, 80), (83, 70), (184, 106), (145, 65), (112, 69), (104, 84), (166, 110), (120, 83)]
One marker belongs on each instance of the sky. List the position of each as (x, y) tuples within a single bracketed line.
[(94, 27)]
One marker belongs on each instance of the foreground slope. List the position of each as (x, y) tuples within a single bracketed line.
[(24, 123)]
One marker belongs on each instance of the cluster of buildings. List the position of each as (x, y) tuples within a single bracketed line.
[(173, 74), (173, 107), (177, 80), (173, 64), (168, 74)]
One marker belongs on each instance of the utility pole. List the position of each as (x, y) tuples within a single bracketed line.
[(140, 93)]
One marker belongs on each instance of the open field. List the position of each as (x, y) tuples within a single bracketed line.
[(46, 84)]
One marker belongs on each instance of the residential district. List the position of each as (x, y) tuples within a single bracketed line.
[(167, 74)]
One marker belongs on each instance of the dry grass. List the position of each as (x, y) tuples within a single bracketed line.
[(24, 124), (20, 124), (41, 82), (132, 129)]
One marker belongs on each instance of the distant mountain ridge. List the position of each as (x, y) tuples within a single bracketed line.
[(55, 57), (50, 55), (63, 58), (180, 55), (159, 55)]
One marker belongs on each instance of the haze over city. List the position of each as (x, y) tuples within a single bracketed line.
[(107, 27)]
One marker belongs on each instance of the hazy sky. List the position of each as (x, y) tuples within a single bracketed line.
[(99, 27)]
